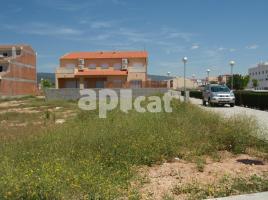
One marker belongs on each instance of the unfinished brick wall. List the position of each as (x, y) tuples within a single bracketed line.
[(20, 76)]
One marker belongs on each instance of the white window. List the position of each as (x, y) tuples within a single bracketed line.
[(104, 66), (117, 66), (70, 65), (92, 66), (137, 65)]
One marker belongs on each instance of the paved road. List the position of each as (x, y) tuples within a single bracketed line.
[(256, 196), (260, 116)]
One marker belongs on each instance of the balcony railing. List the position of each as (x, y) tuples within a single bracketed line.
[(63, 70), (136, 84)]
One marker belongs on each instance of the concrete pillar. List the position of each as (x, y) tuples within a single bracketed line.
[(14, 53), (187, 96), (57, 83), (81, 83)]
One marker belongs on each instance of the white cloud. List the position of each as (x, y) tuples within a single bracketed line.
[(172, 33), (93, 24), (232, 50), (221, 49), (195, 46), (175, 35), (44, 29), (101, 24), (66, 5), (111, 34), (74, 6), (252, 47)]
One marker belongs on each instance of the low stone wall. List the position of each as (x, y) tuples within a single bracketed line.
[(74, 93)]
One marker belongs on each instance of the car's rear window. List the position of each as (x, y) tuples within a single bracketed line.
[(220, 89)]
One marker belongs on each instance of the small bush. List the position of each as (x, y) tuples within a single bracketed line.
[(258, 100), (194, 94), (251, 99)]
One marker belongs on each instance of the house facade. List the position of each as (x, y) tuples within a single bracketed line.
[(259, 73), (117, 69), (178, 83), (17, 70), (223, 79)]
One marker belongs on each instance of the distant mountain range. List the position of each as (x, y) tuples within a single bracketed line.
[(47, 76), (159, 77), (51, 77)]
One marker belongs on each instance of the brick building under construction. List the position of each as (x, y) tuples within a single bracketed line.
[(17, 70)]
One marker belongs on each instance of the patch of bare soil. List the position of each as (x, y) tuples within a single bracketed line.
[(68, 113), (8, 104), (161, 179), (29, 110)]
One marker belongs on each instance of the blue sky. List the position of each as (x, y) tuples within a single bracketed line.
[(208, 32)]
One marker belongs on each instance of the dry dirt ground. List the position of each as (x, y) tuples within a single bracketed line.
[(19, 116), (160, 180)]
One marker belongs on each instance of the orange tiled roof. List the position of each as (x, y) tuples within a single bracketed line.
[(7, 46), (106, 54), (101, 73)]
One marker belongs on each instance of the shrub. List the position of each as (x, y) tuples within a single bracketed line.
[(257, 100), (251, 99), (194, 94)]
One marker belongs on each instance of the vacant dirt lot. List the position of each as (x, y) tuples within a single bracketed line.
[(186, 154), (29, 114), (161, 180)]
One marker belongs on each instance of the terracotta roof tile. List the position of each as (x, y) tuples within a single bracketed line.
[(106, 54), (101, 73)]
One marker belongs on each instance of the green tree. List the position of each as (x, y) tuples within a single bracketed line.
[(246, 80), (255, 83), (240, 82), (46, 83), (213, 82)]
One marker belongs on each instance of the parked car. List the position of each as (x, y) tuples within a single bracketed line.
[(215, 94)]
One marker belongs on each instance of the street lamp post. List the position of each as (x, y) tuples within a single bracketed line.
[(193, 79), (168, 74), (232, 63), (208, 71), (184, 60), (169, 81)]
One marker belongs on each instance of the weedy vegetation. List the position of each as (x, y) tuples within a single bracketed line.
[(92, 158), (225, 187)]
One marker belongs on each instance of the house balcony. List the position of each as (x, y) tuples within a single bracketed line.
[(63, 70)]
